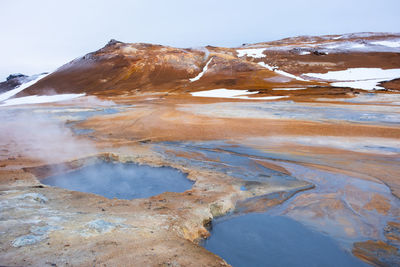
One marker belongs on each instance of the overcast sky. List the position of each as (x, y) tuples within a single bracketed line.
[(41, 35)]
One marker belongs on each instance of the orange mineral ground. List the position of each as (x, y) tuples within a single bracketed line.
[(304, 127)]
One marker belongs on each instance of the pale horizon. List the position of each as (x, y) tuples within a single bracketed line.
[(40, 36)]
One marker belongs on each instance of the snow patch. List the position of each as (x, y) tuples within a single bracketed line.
[(35, 99), (355, 46), (201, 73), (281, 72), (343, 46), (360, 78), (254, 52), (392, 44), (354, 74), (236, 94), (365, 85), (267, 66), (333, 46)]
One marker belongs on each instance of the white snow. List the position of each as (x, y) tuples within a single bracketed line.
[(368, 46), (364, 84), (267, 66), (20, 88), (281, 72), (289, 89), (356, 45), (362, 78), (231, 93), (393, 44), (333, 46), (302, 53), (354, 74), (254, 52), (344, 45), (35, 99), (201, 73)]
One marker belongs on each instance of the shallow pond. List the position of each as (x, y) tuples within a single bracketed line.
[(234, 160), (123, 181), (289, 110), (258, 239)]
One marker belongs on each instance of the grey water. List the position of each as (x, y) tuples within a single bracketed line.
[(258, 239), (290, 110), (298, 111), (86, 114), (122, 180), (234, 160), (79, 131)]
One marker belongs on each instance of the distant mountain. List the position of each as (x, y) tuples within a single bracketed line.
[(123, 68), (15, 80), (12, 81)]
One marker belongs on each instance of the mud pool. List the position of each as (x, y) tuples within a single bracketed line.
[(258, 239), (123, 181)]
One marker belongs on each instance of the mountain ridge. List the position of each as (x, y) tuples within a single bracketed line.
[(125, 68)]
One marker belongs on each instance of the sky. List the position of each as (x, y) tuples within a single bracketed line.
[(41, 35)]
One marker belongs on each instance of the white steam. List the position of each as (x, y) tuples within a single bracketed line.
[(40, 137)]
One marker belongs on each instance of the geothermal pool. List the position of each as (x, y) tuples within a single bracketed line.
[(259, 239), (122, 180)]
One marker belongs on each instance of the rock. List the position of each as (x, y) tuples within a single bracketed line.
[(113, 42), (16, 75), (379, 203), (392, 233), (35, 197), (38, 233), (27, 240), (101, 226), (318, 53), (217, 209), (377, 253), (44, 230)]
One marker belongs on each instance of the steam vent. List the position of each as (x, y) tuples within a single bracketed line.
[(282, 153)]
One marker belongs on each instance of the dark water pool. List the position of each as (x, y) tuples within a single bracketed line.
[(123, 181), (259, 239)]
